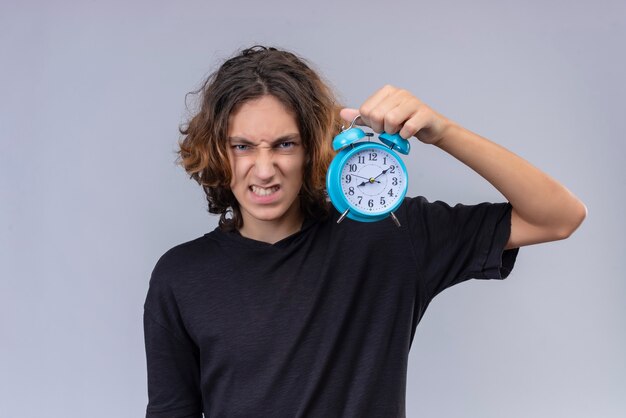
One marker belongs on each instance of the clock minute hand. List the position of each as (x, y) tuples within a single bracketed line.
[(384, 172)]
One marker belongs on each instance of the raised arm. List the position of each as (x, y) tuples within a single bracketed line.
[(543, 209)]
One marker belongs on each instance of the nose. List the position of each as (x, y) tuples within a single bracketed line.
[(264, 167)]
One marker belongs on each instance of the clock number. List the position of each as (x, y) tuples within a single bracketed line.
[(394, 181), (370, 203), (392, 168), (361, 159), (384, 160), (348, 178), (360, 199), (382, 200), (390, 193), (373, 156), (352, 168), (351, 191)]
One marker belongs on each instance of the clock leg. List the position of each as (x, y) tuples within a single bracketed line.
[(343, 215), (395, 220)]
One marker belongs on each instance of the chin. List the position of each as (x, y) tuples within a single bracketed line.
[(271, 214)]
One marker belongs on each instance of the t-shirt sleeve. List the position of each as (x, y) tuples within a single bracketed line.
[(172, 356), (456, 243)]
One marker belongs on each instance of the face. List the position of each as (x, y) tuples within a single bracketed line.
[(267, 161)]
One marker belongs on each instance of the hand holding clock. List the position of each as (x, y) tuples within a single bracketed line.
[(393, 110), (543, 209)]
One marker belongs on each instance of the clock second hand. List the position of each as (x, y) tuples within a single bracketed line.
[(361, 177)]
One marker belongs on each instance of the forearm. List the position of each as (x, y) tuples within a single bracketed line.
[(543, 209), (537, 199)]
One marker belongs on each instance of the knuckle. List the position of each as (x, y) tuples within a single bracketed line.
[(365, 110), (419, 104), (393, 118), (424, 111), (410, 126), (376, 116)]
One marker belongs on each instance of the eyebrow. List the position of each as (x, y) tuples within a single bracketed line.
[(246, 141)]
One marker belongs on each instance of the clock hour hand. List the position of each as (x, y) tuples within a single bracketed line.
[(370, 180)]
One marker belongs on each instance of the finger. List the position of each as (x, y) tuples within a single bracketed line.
[(414, 124), (399, 115), (386, 116), (372, 110), (348, 114)]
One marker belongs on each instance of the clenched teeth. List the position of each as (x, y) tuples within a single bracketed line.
[(263, 191)]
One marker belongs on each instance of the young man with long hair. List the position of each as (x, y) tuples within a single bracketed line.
[(283, 312)]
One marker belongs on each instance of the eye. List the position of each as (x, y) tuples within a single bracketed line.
[(286, 145), (240, 147)]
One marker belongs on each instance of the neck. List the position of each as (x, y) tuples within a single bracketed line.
[(274, 230)]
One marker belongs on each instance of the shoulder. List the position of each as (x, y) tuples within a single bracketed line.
[(186, 258), (181, 252)]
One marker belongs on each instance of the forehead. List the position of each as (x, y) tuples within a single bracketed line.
[(264, 118)]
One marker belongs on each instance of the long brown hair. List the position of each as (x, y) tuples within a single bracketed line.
[(255, 72)]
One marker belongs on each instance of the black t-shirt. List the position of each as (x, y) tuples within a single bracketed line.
[(318, 324)]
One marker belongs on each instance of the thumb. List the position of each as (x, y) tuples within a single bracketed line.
[(348, 114)]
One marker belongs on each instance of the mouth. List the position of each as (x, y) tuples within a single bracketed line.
[(264, 191)]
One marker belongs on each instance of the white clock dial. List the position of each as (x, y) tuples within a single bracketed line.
[(372, 180)]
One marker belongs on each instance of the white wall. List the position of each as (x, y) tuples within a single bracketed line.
[(91, 97)]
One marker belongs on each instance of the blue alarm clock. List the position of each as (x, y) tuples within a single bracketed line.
[(367, 181)]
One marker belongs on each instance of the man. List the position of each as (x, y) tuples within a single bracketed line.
[(282, 312)]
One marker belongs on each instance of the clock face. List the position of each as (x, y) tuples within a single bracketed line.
[(373, 180)]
